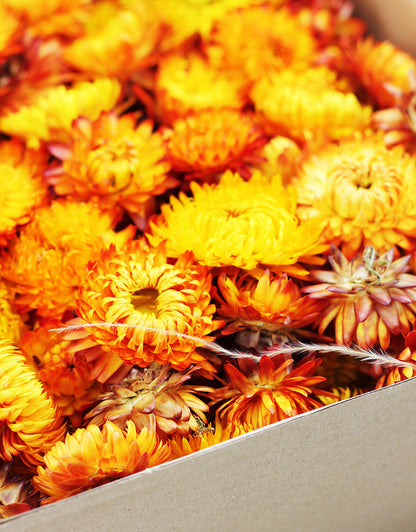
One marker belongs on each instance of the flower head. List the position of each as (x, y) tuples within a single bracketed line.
[(47, 262), (308, 106), (363, 192), (155, 397), (91, 457), (150, 299), (268, 391), (370, 297), (29, 422), (50, 116), (212, 141), (112, 160), (236, 223)]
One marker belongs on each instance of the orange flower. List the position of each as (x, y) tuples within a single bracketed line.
[(383, 69), (29, 422), (12, 324), (268, 391), (138, 288), (280, 156), (23, 189), (370, 297), (91, 457), (362, 192), (112, 160), (273, 303), (398, 374), (156, 398), (261, 40), (64, 373), (192, 84), (212, 141), (47, 262)]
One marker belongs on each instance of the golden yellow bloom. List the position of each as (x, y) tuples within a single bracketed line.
[(113, 161), (91, 457), (191, 84), (155, 397), (268, 391), (262, 40), (50, 116), (273, 303), (137, 287), (64, 372), (29, 422), (339, 395), (47, 262), (308, 106), (280, 156), (22, 187), (383, 69), (236, 223), (12, 325), (16, 493), (364, 194), (213, 141), (127, 36), (370, 297)]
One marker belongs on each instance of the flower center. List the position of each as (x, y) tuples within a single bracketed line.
[(145, 300)]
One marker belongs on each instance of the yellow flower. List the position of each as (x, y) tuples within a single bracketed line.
[(268, 391), (280, 155), (47, 262), (340, 394), (157, 398), (192, 84), (273, 303), (127, 36), (22, 189), (370, 297), (362, 192), (112, 160), (262, 40), (212, 141), (49, 118), (383, 69), (139, 287), (307, 106), (91, 457), (12, 325), (236, 223), (64, 372), (29, 422)]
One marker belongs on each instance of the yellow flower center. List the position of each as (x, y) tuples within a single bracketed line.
[(145, 301), (112, 164)]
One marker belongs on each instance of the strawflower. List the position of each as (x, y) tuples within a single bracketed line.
[(370, 297), (362, 192), (148, 297), (91, 457), (236, 223), (29, 422), (155, 397), (112, 160)]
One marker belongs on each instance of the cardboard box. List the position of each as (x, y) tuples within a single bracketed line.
[(344, 467)]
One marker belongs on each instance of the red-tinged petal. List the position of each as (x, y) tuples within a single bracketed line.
[(370, 331), (399, 295), (328, 315), (363, 307), (389, 316), (410, 340), (380, 294)]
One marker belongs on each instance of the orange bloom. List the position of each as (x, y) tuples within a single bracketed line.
[(261, 40), (268, 391), (398, 374), (212, 141), (362, 192), (112, 160), (192, 84), (47, 262), (273, 303), (29, 422), (370, 297), (12, 325), (91, 457), (383, 69), (138, 288), (156, 398), (64, 373), (23, 189), (280, 156)]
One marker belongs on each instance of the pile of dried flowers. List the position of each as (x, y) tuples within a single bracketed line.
[(205, 208)]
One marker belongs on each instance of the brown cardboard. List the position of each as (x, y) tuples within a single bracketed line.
[(346, 467)]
